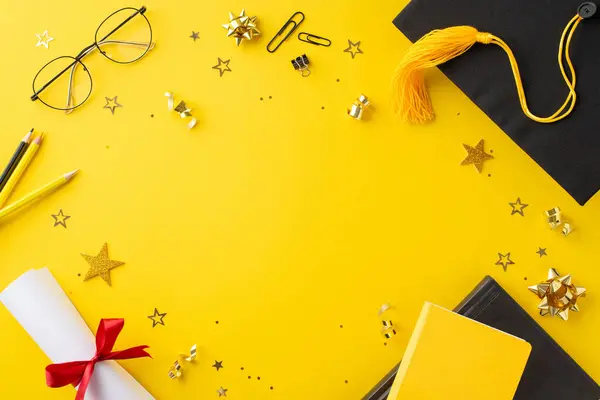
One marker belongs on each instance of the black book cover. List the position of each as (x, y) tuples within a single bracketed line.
[(550, 373), (567, 150)]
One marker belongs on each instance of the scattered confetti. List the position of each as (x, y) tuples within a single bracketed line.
[(190, 357), (222, 391), (358, 107), (353, 48), (387, 330), (157, 318), (218, 365), (100, 265), (504, 260), (541, 252), (195, 35), (558, 294), (222, 67), (111, 104), (476, 156), (182, 109), (555, 220), (241, 27), (60, 219), (175, 371), (43, 39), (518, 207), (567, 229)]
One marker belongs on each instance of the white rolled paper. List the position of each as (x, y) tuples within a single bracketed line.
[(43, 309)]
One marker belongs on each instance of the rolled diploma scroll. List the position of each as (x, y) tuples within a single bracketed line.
[(40, 305)]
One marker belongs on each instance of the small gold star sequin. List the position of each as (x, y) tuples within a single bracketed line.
[(504, 260), (111, 104), (476, 156), (518, 207), (353, 48), (100, 265), (60, 219), (222, 67), (43, 39)]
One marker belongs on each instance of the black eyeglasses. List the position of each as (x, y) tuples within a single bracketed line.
[(124, 37)]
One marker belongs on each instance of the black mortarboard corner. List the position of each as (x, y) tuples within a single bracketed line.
[(565, 144)]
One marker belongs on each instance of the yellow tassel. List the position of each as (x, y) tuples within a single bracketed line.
[(409, 94), (411, 100)]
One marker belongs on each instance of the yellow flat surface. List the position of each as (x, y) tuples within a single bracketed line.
[(435, 364), (288, 223)]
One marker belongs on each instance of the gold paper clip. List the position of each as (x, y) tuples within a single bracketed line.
[(358, 107), (290, 22)]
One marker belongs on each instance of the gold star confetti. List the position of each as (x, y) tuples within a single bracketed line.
[(504, 260), (476, 156), (218, 365), (43, 39), (100, 265), (542, 252), (195, 35), (222, 66), (111, 104), (222, 392), (558, 295), (518, 207), (241, 27), (60, 219), (157, 318), (353, 48)]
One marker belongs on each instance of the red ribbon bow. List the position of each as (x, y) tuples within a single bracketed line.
[(80, 372)]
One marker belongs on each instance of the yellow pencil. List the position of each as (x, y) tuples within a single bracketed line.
[(44, 190), (18, 172)]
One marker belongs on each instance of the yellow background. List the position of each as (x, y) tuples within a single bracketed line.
[(278, 218)]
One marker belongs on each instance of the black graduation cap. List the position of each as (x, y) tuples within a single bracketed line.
[(568, 149)]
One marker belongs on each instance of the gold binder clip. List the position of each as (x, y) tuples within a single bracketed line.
[(358, 107)]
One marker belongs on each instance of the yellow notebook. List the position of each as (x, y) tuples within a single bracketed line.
[(451, 357)]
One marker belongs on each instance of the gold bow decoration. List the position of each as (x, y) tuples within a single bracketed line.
[(182, 109), (176, 371), (241, 27), (558, 294)]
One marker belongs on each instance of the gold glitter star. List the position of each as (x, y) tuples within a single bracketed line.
[(111, 104), (241, 27), (518, 207), (60, 219), (43, 39), (504, 260), (222, 66), (100, 265), (353, 48), (195, 35), (476, 156), (222, 392), (157, 318)]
